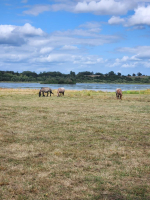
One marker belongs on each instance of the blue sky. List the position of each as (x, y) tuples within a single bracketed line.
[(75, 35)]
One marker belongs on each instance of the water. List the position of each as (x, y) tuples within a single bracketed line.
[(79, 86)]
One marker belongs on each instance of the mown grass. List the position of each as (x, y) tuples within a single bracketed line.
[(85, 145)]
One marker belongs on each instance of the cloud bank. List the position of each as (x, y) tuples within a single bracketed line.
[(81, 46)]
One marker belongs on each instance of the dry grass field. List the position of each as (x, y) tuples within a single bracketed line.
[(84, 145)]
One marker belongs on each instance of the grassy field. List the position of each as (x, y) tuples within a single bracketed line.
[(85, 145)]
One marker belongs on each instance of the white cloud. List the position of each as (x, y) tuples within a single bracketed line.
[(46, 50), (135, 58), (27, 29), (115, 64), (52, 58), (7, 36), (140, 52), (92, 26), (13, 57), (129, 65), (78, 32), (105, 7), (99, 7), (17, 35), (140, 57), (69, 47), (38, 42), (124, 59), (116, 20), (147, 64), (36, 48), (141, 17), (68, 58), (37, 9), (6, 29), (27, 44)]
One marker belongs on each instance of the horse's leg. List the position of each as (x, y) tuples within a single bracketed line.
[(43, 94), (47, 94)]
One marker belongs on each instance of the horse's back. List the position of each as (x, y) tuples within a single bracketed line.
[(119, 91), (62, 89), (45, 89)]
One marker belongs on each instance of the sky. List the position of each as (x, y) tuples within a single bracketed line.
[(75, 35)]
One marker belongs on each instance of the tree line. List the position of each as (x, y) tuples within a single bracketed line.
[(72, 78)]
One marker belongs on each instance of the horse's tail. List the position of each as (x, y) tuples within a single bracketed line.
[(39, 93)]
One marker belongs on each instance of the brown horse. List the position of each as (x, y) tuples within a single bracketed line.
[(119, 93), (60, 90), (45, 90)]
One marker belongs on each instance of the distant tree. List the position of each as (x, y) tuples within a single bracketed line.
[(111, 73), (98, 73), (72, 74), (133, 74), (85, 73), (17, 73), (139, 74), (119, 74), (129, 75), (29, 73)]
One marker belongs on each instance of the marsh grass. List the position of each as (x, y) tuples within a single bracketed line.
[(84, 145), (137, 91)]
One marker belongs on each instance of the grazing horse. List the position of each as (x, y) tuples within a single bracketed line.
[(60, 90), (119, 93), (46, 90)]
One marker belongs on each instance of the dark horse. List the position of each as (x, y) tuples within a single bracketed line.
[(45, 90), (119, 93)]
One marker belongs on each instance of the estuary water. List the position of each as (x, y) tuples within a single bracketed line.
[(106, 87)]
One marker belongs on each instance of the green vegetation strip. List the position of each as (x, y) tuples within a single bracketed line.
[(72, 78)]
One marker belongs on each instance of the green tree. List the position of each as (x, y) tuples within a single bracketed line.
[(111, 73), (139, 74), (72, 74)]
